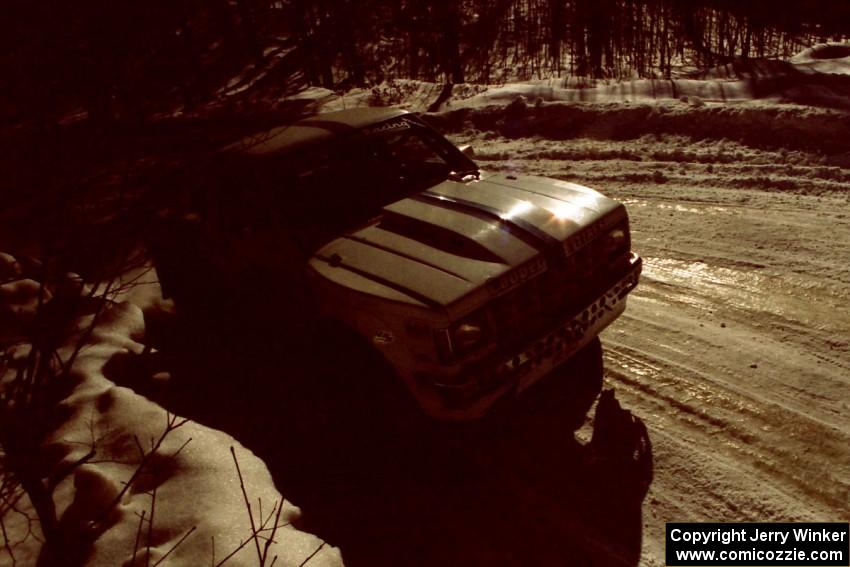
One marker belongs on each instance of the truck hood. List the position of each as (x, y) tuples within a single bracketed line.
[(457, 245)]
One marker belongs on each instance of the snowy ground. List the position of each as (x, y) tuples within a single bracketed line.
[(733, 350), (132, 484)]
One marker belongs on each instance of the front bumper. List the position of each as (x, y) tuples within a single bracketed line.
[(501, 375)]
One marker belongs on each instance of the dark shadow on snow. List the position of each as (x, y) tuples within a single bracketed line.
[(517, 488)]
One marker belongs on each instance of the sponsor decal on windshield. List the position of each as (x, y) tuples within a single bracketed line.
[(390, 126)]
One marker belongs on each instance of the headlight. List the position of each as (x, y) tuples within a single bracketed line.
[(466, 336), (617, 242), (462, 337)]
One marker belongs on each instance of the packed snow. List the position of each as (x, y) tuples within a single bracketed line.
[(733, 350), (185, 499)]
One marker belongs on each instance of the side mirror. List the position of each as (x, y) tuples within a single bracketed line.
[(467, 151)]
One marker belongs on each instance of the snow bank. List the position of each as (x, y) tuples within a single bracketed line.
[(818, 71), (416, 96), (608, 91), (801, 103), (831, 58), (189, 485), (760, 125)]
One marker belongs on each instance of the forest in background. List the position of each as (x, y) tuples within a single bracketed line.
[(122, 61)]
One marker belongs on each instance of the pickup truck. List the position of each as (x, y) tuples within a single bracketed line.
[(469, 286)]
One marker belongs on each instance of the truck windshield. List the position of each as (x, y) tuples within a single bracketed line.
[(346, 184), (322, 191), (414, 156)]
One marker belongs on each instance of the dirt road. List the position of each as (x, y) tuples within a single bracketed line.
[(734, 349)]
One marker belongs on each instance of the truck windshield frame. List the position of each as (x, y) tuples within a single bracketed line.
[(324, 189)]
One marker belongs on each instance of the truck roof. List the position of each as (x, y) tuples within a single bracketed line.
[(311, 130)]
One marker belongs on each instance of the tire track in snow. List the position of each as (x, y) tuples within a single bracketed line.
[(734, 347), (757, 419), (735, 436)]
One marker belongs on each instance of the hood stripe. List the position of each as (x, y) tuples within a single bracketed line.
[(499, 244), (387, 283), (379, 246), (522, 229)]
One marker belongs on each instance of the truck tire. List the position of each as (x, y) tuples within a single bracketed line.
[(568, 392), (361, 388)]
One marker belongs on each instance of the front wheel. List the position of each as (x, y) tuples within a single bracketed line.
[(359, 392), (175, 250), (568, 392)]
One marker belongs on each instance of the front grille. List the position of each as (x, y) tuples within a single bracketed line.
[(560, 292), (517, 313)]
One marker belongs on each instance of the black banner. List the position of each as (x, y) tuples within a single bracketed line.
[(758, 544)]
